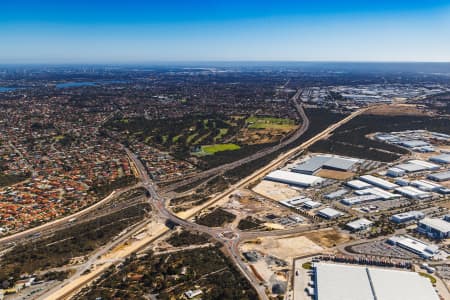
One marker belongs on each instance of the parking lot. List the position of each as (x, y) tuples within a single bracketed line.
[(444, 271), (381, 248), (385, 204), (302, 278)]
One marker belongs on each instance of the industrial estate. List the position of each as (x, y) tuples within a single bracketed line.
[(224, 182)]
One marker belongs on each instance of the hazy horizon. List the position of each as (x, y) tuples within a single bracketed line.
[(111, 32)]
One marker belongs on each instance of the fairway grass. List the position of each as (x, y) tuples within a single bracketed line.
[(270, 123), (212, 149)]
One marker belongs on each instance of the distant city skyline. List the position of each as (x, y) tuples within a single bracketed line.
[(100, 31)]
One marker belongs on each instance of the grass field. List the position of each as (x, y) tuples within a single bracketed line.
[(270, 123), (222, 132), (212, 149)]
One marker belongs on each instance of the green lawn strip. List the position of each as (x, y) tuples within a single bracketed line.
[(222, 132), (212, 149), (269, 123), (432, 279)]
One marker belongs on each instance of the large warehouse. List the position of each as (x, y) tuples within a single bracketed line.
[(376, 181), (293, 178), (318, 162), (346, 282)]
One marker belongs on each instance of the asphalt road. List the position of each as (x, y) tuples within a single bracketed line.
[(56, 224), (231, 244), (226, 167)]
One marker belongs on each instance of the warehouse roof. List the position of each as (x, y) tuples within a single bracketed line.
[(441, 176), (359, 199), (414, 245), (409, 214), (414, 143), (441, 158), (412, 192), (360, 223), (341, 163), (293, 178), (330, 212), (358, 184), (395, 284), (338, 282), (377, 192), (438, 224), (409, 167), (428, 165), (311, 165), (378, 182), (324, 161)]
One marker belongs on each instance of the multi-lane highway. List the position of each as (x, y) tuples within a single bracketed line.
[(231, 244), (226, 167), (59, 223)]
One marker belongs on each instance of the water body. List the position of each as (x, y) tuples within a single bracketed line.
[(86, 83), (7, 89), (75, 84)]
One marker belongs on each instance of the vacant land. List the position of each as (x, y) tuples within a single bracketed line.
[(397, 110), (275, 190), (328, 237), (78, 240), (170, 275), (285, 248)]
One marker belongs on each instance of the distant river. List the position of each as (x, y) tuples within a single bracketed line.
[(7, 89), (74, 84), (85, 83)]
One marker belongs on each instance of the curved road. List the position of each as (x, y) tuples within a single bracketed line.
[(230, 244), (226, 167)]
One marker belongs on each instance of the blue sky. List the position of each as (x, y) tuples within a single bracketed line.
[(145, 31)]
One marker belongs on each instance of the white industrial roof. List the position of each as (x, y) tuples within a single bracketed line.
[(408, 214), (330, 212), (341, 282), (359, 199), (395, 285), (415, 245), (409, 167), (426, 164), (312, 204), (396, 170), (378, 182), (358, 184), (360, 223), (438, 224), (441, 158), (293, 178), (377, 192), (414, 143), (441, 176), (344, 282), (425, 185), (412, 192)]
